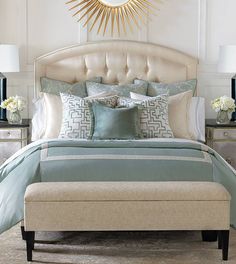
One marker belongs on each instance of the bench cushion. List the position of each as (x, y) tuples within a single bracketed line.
[(126, 191)]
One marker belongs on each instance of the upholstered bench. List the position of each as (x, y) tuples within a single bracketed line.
[(93, 206)]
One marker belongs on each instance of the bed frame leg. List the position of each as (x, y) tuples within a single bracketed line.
[(29, 244), (209, 235)]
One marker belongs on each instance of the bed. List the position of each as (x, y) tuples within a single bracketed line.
[(50, 159)]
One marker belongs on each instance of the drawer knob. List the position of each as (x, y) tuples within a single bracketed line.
[(226, 134)]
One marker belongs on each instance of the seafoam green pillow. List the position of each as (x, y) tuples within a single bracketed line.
[(121, 90), (115, 123), (155, 89), (56, 86)]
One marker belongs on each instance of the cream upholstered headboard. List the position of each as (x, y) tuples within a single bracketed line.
[(116, 61)]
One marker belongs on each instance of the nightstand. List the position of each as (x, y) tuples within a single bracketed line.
[(13, 138), (222, 138)]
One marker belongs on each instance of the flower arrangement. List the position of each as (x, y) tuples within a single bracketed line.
[(223, 103), (14, 104), (223, 106)]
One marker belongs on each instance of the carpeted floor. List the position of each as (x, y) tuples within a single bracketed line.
[(114, 248)]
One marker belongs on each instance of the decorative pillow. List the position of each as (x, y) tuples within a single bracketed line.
[(121, 90), (53, 106), (77, 119), (155, 89), (115, 123), (178, 113), (56, 87), (153, 116)]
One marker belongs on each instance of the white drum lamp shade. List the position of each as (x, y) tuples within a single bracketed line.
[(9, 58), (227, 64), (9, 62), (227, 59)]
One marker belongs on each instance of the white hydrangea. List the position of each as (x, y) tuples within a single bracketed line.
[(14, 104), (223, 103), (21, 103)]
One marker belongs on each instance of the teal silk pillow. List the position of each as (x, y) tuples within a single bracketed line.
[(115, 123), (56, 87), (155, 89), (121, 90)]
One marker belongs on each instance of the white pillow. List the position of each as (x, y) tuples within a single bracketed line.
[(39, 119), (196, 116)]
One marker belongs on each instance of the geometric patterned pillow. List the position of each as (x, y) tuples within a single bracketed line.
[(94, 88), (56, 87), (153, 116), (155, 89), (77, 121)]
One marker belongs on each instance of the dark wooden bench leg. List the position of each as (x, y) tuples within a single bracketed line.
[(209, 235), (219, 240), (29, 244), (225, 243), (23, 232)]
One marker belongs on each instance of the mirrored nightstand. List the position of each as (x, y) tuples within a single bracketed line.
[(222, 138), (13, 138)]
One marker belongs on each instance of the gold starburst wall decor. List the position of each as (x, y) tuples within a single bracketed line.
[(116, 13)]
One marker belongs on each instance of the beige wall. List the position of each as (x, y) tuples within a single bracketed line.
[(196, 27)]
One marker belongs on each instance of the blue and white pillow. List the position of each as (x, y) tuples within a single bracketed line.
[(77, 121), (120, 90), (155, 88), (154, 121)]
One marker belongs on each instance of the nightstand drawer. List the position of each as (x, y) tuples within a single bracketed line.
[(224, 133), (17, 133), (227, 150)]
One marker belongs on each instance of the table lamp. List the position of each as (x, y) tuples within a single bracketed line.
[(227, 64), (9, 62)]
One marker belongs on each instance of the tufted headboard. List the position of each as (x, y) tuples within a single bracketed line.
[(116, 61)]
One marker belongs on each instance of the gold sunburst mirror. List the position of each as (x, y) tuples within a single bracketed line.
[(116, 13)]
